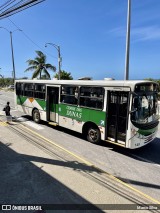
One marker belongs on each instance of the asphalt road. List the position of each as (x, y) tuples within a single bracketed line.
[(139, 168)]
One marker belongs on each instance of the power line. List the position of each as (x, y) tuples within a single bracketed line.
[(44, 50), (13, 6), (16, 6), (6, 4)]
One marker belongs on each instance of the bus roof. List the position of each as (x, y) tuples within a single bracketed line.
[(104, 83)]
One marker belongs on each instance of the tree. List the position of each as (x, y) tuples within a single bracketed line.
[(64, 75), (1, 80), (24, 78), (5, 81), (39, 65)]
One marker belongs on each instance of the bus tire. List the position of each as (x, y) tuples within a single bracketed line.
[(93, 135), (36, 116)]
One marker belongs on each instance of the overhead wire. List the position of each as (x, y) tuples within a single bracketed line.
[(17, 7), (31, 39), (9, 8), (6, 4), (14, 6), (19, 4)]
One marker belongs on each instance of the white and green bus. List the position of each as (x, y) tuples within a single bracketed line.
[(121, 112)]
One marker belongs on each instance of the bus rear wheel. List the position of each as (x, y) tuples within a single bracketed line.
[(93, 135), (36, 116)]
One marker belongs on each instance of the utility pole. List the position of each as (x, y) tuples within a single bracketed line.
[(11, 32), (59, 63), (59, 58), (128, 41), (14, 73)]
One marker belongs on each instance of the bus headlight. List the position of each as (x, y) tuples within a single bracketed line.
[(134, 132)]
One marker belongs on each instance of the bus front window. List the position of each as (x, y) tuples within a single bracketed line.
[(144, 108)]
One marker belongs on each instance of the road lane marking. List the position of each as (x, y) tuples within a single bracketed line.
[(3, 123), (92, 165)]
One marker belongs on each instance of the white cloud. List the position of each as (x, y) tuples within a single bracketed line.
[(146, 33), (119, 31), (138, 33)]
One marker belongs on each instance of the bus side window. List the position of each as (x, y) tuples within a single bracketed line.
[(19, 89), (39, 92), (29, 90), (69, 100), (92, 97), (69, 95)]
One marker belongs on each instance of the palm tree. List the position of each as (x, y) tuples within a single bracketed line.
[(39, 65), (64, 75)]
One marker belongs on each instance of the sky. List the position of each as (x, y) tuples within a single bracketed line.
[(91, 35)]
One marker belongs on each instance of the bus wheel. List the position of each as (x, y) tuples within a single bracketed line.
[(93, 135), (36, 116)]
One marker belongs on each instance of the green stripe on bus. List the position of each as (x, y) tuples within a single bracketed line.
[(21, 100), (82, 114), (78, 113), (147, 132), (42, 103)]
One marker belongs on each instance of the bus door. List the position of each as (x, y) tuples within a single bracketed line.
[(52, 101), (117, 115)]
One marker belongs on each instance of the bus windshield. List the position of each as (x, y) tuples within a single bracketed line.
[(144, 107)]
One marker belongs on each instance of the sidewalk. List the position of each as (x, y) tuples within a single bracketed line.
[(31, 174)]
